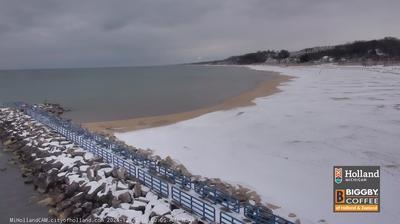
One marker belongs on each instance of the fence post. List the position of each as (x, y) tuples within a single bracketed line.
[(204, 210), (151, 181), (191, 201), (180, 198)]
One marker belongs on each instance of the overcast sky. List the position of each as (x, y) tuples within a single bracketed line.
[(86, 33)]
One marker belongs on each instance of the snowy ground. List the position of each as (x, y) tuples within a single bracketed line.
[(286, 145)]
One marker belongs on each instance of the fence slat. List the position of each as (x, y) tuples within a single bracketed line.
[(195, 205), (224, 218), (157, 185)]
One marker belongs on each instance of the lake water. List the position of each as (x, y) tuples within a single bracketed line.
[(16, 198), (100, 94)]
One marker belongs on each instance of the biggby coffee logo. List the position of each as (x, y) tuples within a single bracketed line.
[(340, 196), (356, 189)]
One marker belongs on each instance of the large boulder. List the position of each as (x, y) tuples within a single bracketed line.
[(121, 174), (76, 153), (78, 198), (90, 173), (48, 201), (115, 203), (9, 141), (64, 204), (106, 198), (137, 190), (40, 182), (51, 180), (77, 212), (66, 213), (87, 206), (71, 189), (94, 190), (125, 197)]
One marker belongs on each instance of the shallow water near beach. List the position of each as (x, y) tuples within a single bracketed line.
[(16, 198), (102, 94)]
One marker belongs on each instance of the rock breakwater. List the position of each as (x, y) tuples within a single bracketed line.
[(75, 183)]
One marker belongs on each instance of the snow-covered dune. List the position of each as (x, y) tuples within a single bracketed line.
[(284, 147)]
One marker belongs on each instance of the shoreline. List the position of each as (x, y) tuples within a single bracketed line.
[(286, 135), (265, 88)]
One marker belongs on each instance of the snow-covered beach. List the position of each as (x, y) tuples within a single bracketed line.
[(285, 146)]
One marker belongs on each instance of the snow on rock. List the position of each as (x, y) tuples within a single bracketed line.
[(151, 196), (89, 156), (73, 178), (286, 145), (65, 160), (137, 204), (132, 216), (161, 208), (154, 207), (83, 168), (181, 215), (57, 165)]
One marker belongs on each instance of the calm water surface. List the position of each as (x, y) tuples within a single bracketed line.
[(16, 198), (99, 94)]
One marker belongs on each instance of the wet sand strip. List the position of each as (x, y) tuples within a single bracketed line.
[(265, 88)]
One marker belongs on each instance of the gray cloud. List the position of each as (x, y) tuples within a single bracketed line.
[(55, 33)]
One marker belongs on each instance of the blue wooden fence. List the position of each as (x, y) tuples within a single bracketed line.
[(173, 176), (121, 163), (218, 196), (261, 216), (193, 204), (122, 157), (154, 183), (224, 218)]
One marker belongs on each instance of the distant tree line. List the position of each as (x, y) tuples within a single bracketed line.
[(387, 48), (257, 57)]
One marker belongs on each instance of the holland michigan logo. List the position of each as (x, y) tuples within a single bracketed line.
[(338, 175)]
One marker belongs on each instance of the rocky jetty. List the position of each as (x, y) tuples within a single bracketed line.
[(75, 183), (53, 108)]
